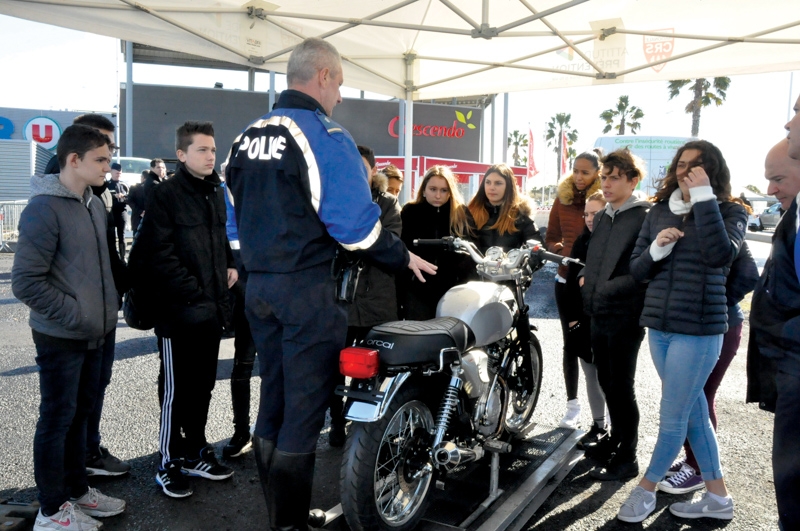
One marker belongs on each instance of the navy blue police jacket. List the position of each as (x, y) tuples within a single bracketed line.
[(299, 189)]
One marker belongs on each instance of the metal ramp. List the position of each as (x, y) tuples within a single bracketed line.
[(471, 499)]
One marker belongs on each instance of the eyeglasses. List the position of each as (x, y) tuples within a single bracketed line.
[(590, 214)]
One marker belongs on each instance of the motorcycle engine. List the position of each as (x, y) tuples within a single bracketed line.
[(488, 411)]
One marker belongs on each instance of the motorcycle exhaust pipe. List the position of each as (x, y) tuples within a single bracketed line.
[(449, 456)]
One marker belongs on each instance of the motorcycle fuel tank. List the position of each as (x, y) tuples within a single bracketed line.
[(486, 307)]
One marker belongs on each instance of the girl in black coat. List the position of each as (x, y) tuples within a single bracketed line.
[(502, 216), (438, 211)]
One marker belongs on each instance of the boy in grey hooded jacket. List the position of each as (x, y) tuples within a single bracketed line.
[(62, 271)]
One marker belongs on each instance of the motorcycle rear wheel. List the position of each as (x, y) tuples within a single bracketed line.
[(520, 403), (386, 474)]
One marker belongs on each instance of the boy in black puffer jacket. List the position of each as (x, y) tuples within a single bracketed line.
[(182, 263)]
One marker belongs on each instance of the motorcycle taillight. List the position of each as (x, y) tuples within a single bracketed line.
[(358, 362)]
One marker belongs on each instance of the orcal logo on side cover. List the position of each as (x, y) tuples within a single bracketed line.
[(658, 48), (379, 343)]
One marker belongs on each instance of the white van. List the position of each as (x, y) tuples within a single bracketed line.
[(132, 168)]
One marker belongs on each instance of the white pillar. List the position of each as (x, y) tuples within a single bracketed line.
[(129, 99), (505, 128), (405, 193), (271, 90)]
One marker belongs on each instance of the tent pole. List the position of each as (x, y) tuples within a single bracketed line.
[(401, 127), (251, 79), (405, 194), (492, 133), (271, 90), (129, 99), (505, 128)]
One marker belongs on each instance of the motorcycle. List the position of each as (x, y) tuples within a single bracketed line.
[(426, 397)]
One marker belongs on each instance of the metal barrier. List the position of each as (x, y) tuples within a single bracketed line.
[(10, 212)]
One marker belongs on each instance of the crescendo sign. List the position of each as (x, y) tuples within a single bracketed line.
[(429, 130)]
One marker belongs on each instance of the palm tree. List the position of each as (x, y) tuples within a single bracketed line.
[(626, 114), (701, 96), (557, 127), (517, 140)]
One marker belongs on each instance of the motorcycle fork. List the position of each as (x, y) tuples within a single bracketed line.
[(521, 348)]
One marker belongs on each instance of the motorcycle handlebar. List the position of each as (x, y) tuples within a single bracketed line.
[(446, 243), (557, 258), (453, 244)]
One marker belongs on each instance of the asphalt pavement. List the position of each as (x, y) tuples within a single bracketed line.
[(130, 429)]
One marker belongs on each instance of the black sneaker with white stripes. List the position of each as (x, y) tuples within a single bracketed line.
[(172, 481), (207, 466)]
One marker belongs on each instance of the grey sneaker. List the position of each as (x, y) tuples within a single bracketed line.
[(95, 503), (704, 507), (638, 506)]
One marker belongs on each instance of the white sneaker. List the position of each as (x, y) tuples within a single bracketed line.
[(573, 415), (95, 503), (68, 518)]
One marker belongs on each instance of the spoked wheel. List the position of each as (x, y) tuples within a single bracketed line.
[(386, 470), (524, 382)]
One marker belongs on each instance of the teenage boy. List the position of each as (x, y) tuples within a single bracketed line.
[(183, 263), (614, 301), (62, 271), (99, 461)]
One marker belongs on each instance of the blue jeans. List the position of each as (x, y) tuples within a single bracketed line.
[(684, 364), (68, 382)]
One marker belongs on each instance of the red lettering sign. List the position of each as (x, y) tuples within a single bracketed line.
[(37, 136), (429, 130), (657, 48)]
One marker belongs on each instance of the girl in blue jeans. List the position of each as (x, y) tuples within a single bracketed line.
[(687, 243)]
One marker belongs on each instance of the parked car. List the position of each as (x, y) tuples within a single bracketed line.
[(768, 219)]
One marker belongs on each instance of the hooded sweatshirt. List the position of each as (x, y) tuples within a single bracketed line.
[(609, 290), (62, 269)]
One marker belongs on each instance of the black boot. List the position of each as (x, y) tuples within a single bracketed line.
[(263, 450), (240, 399), (289, 491)]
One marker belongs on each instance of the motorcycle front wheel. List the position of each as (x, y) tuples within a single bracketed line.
[(386, 471), (524, 382)]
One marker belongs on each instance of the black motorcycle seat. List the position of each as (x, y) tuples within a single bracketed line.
[(418, 342)]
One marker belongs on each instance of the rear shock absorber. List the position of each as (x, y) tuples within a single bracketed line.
[(447, 408)]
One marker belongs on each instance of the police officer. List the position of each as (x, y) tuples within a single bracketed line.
[(299, 190)]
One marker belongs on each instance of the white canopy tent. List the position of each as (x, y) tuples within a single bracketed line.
[(444, 48), (425, 49)]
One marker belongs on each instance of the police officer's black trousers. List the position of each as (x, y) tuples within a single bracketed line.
[(299, 329)]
